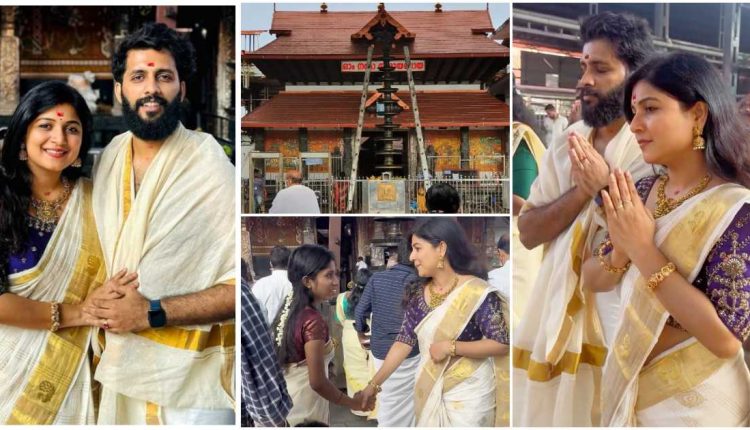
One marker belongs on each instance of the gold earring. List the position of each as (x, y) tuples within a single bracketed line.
[(22, 154), (77, 163), (698, 141), (441, 263)]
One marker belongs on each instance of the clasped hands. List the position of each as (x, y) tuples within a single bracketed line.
[(630, 224), (364, 401), (117, 306)]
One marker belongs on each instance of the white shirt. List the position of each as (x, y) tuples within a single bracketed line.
[(295, 199), (500, 278), (271, 292), (361, 265), (554, 128)]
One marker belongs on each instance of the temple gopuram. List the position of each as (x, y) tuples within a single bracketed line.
[(375, 142)]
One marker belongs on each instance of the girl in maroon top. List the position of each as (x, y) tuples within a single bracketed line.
[(302, 340)]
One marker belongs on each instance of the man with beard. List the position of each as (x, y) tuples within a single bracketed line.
[(560, 344), (164, 207)]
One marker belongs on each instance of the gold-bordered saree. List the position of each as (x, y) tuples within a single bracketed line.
[(686, 385), (460, 391), (46, 378), (307, 404)]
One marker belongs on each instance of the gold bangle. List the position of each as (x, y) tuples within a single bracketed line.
[(375, 386), (55, 311), (612, 269), (657, 278), (452, 350)]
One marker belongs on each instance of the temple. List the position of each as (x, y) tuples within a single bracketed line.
[(356, 139)]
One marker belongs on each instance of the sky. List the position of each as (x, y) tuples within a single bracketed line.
[(257, 16)]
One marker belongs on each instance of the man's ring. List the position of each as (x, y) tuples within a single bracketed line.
[(105, 326)]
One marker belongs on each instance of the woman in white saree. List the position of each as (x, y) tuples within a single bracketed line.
[(303, 343), (679, 252), (458, 320), (50, 260)]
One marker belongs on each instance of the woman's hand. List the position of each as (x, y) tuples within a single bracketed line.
[(112, 289), (366, 398), (440, 350), (357, 404), (631, 225)]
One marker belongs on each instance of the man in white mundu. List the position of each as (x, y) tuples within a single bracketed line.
[(164, 207), (560, 345)]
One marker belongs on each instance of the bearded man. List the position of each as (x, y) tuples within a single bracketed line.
[(164, 208), (560, 343)]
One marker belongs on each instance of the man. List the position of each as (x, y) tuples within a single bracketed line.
[(361, 263), (164, 203), (382, 302), (273, 289), (554, 124), (264, 393), (561, 213), (500, 277), (295, 198)]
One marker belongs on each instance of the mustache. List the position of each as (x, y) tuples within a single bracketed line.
[(586, 91), (150, 99)]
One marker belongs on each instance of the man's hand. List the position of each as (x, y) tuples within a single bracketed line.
[(364, 341), (589, 170), (126, 314)]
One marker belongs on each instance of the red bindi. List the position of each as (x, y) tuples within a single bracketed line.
[(150, 64), (60, 114)]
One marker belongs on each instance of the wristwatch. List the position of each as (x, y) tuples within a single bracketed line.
[(156, 315)]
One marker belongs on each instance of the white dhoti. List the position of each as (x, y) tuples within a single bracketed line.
[(395, 402)]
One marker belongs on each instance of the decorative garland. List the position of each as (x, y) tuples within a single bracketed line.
[(283, 319)]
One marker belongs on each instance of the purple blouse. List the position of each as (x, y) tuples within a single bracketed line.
[(32, 253), (487, 322), (725, 275)]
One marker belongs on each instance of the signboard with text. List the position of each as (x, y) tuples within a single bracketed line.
[(399, 65)]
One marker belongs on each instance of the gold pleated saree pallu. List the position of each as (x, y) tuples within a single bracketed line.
[(559, 347), (177, 233), (686, 385), (459, 391), (307, 405), (46, 378)]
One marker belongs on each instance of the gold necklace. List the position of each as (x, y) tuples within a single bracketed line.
[(436, 299), (665, 205), (46, 212)]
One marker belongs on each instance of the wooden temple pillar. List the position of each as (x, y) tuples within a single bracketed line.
[(10, 62)]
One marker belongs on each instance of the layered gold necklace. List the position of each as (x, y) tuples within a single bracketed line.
[(665, 205), (47, 213), (436, 299)]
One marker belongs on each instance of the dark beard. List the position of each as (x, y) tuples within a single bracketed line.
[(156, 129), (607, 109)]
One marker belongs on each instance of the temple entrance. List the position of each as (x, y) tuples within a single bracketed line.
[(369, 159)]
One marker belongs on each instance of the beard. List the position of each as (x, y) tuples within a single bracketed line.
[(607, 109), (158, 128)]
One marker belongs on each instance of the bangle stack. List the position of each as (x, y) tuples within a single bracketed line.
[(657, 278), (55, 310), (375, 386), (609, 268), (452, 350)]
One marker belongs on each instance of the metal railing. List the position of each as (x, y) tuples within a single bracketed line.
[(478, 196)]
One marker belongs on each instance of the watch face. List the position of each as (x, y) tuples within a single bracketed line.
[(157, 318)]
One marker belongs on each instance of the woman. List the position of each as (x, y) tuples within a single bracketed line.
[(356, 364), (49, 261), (678, 250), (303, 344), (458, 322)]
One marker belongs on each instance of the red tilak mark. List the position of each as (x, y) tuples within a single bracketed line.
[(60, 114), (150, 64)]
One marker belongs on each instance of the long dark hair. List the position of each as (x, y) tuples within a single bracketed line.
[(360, 282), (689, 78), (15, 176), (461, 255), (305, 261)]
